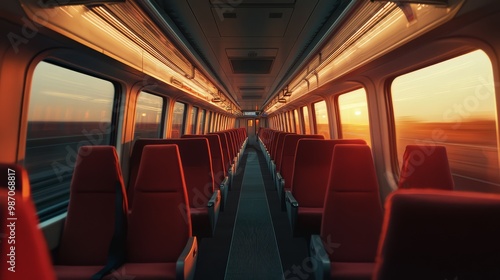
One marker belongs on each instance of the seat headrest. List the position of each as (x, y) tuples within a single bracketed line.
[(446, 234), (290, 142), (97, 169), (353, 169), (160, 170), (425, 166)]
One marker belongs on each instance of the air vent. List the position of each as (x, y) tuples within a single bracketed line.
[(251, 66), (229, 15), (275, 15), (251, 97), (251, 88)]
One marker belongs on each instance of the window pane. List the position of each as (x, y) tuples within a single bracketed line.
[(148, 116), (297, 123), (287, 124), (194, 119), (215, 122), (353, 110), (452, 103), (202, 122), (178, 119), (305, 114), (209, 122), (321, 119), (67, 110)]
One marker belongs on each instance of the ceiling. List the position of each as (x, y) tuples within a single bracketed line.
[(251, 47)]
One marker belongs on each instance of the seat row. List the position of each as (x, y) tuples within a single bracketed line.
[(148, 231), (334, 193), (101, 237)]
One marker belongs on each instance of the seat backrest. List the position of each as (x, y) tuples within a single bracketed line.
[(352, 214), (159, 224), (270, 140), (425, 167), (22, 180), (96, 178), (30, 259), (231, 144), (232, 132), (196, 163), (216, 152), (440, 234), (224, 142), (274, 140), (311, 169), (287, 156), (279, 149)]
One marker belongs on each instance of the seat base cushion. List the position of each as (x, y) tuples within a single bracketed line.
[(144, 271), (351, 271)]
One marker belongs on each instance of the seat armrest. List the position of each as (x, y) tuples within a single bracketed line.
[(292, 208), (231, 174), (224, 188), (281, 192), (277, 182), (235, 163), (213, 209), (319, 254), (186, 263), (272, 169)]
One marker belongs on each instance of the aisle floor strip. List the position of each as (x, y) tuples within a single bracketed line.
[(254, 251)]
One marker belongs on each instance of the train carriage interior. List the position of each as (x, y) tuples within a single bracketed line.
[(250, 139)]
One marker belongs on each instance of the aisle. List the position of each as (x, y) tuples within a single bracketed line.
[(254, 251)]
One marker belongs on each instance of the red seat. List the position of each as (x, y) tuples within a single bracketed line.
[(438, 234), (225, 145), (226, 151), (28, 257), (285, 162), (352, 217), (159, 239), (97, 177), (195, 155), (220, 172), (309, 182), (279, 150), (425, 167)]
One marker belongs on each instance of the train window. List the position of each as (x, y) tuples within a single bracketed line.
[(148, 116), (287, 122), (297, 123), (353, 111), (305, 120), (67, 109), (321, 119), (194, 119), (215, 122), (291, 121), (209, 122), (178, 119), (452, 103), (202, 122)]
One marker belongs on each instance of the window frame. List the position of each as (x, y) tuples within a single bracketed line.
[(61, 207)]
